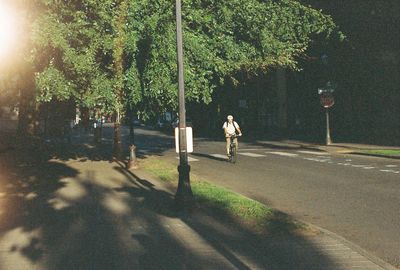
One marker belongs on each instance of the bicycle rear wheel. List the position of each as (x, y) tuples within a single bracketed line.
[(233, 154)]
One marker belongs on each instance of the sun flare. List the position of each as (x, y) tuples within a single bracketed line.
[(8, 30)]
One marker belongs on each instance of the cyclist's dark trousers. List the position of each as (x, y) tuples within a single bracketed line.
[(228, 142)]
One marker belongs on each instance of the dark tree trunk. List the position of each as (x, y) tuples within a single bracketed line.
[(117, 146), (85, 118), (132, 163), (27, 118), (131, 129)]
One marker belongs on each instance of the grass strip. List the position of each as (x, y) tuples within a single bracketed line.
[(225, 203), (383, 152)]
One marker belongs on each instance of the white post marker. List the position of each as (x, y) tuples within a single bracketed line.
[(189, 139)]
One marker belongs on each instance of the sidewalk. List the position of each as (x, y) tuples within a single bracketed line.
[(84, 214)]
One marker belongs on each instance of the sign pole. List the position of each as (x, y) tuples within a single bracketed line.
[(184, 195), (327, 101), (328, 133)]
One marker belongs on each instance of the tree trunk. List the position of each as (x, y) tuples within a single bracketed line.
[(118, 55), (131, 128), (85, 118), (117, 146), (132, 163), (282, 98), (27, 117)]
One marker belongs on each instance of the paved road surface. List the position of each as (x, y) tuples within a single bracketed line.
[(355, 197)]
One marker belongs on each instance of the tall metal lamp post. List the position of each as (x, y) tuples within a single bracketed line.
[(184, 195)]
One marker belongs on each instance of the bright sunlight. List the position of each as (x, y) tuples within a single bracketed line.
[(8, 30)]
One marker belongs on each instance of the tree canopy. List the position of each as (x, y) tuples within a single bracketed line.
[(77, 44), (220, 39), (73, 50)]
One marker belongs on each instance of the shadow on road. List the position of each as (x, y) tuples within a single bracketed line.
[(82, 146), (278, 145), (210, 157)]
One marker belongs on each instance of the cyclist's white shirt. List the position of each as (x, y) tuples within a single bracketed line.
[(230, 128)]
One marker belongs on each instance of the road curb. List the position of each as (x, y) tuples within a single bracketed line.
[(353, 246)]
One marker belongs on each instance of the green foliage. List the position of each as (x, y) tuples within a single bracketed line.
[(221, 38), (72, 46), (124, 53), (52, 80)]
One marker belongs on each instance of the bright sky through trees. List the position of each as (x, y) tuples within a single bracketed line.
[(8, 30)]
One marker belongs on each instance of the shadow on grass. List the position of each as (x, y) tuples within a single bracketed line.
[(280, 246)]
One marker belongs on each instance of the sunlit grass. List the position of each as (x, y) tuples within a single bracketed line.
[(383, 152), (164, 171), (225, 203)]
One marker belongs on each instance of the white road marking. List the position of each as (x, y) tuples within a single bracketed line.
[(316, 159), (314, 153), (252, 149), (283, 154), (190, 159), (365, 167), (390, 171), (219, 156), (251, 155)]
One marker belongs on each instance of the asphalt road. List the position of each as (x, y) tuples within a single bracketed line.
[(355, 197)]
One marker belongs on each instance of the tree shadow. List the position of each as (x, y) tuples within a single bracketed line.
[(82, 146), (210, 157), (53, 217), (86, 216), (280, 145), (239, 247), (97, 215)]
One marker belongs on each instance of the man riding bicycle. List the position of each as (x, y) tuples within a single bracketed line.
[(231, 128)]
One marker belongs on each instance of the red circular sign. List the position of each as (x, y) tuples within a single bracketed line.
[(327, 101)]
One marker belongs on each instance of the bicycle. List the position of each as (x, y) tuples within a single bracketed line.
[(233, 149)]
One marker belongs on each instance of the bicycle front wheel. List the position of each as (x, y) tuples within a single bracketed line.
[(233, 154)]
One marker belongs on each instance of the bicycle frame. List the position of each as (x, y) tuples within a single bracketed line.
[(233, 149)]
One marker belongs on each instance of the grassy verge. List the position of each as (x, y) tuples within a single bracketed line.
[(395, 153), (227, 204)]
